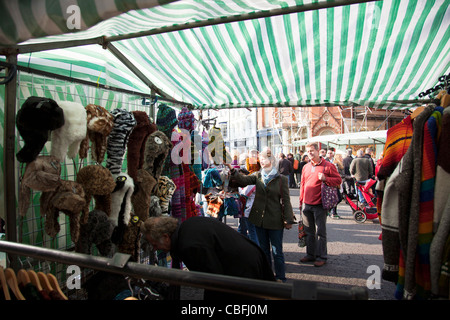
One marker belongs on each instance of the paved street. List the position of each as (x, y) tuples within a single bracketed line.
[(352, 249)]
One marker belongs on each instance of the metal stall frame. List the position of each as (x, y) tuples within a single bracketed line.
[(120, 264)]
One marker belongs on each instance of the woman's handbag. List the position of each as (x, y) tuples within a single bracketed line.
[(330, 197)]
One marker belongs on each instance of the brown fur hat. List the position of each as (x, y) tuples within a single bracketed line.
[(68, 198), (157, 148), (100, 122), (42, 174), (97, 182), (137, 140), (141, 199)]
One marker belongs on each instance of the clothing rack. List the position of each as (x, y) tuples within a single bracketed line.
[(120, 264)]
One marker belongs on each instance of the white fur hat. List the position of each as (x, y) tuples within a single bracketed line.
[(66, 140)]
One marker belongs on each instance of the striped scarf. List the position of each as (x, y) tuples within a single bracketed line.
[(432, 131)]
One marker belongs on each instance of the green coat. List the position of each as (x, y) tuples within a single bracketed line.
[(267, 210)]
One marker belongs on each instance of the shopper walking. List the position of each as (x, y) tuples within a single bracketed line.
[(272, 210), (314, 216), (285, 167)]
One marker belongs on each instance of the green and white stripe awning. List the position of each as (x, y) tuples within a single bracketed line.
[(373, 53)]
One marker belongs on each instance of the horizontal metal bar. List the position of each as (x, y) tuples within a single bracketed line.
[(251, 287)]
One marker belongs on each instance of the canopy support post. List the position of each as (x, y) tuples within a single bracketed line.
[(9, 141)]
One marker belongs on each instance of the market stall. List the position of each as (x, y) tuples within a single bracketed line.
[(164, 57)]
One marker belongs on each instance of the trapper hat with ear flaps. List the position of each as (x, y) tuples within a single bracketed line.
[(68, 198), (42, 174), (36, 117), (136, 142), (97, 182), (66, 140), (124, 124), (100, 122)]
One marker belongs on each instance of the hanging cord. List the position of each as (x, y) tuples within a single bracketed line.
[(12, 72)]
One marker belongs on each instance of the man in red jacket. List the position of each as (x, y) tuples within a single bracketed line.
[(314, 216)]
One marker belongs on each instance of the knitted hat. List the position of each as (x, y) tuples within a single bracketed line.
[(186, 119), (157, 149), (42, 174), (66, 140), (100, 122), (137, 140), (34, 120), (121, 198), (124, 123), (166, 119), (97, 231), (141, 199), (68, 198), (97, 182)]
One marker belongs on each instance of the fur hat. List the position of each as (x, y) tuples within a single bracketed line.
[(157, 148), (130, 238), (34, 120), (137, 140), (166, 119), (124, 123), (97, 182), (186, 119), (42, 174), (121, 199), (164, 191), (100, 122), (98, 230), (141, 199), (68, 198), (67, 139), (155, 208)]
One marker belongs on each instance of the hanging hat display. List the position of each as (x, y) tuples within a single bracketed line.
[(136, 142), (157, 148), (186, 119), (36, 117), (97, 231), (100, 122), (121, 198), (97, 182), (166, 119), (42, 174), (68, 198), (145, 183), (124, 123), (66, 140)]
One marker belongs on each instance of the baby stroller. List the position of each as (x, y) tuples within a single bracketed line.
[(360, 212)]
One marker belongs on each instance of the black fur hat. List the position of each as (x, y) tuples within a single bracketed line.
[(36, 117)]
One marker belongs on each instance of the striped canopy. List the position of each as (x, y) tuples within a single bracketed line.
[(242, 53)]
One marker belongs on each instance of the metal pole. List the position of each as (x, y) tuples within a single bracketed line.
[(119, 264), (9, 181)]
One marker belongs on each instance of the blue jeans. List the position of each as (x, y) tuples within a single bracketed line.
[(315, 222), (360, 194), (247, 229), (273, 238)]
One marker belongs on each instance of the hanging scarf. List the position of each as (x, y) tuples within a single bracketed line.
[(266, 177)]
